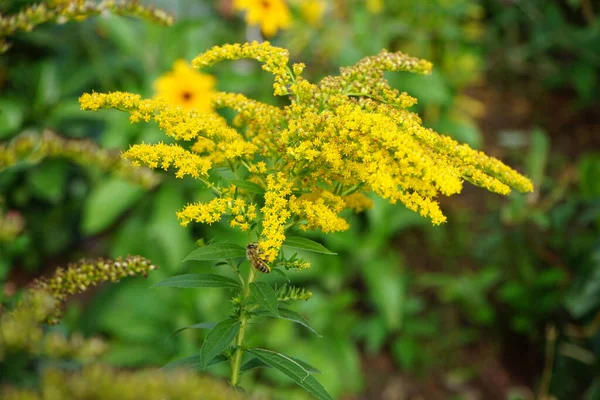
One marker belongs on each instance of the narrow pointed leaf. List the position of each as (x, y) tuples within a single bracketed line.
[(253, 363), (290, 315), (265, 296), (218, 340), (202, 325), (300, 375), (248, 186), (216, 251), (193, 362), (199, 280), (300, 243), (257, 363)]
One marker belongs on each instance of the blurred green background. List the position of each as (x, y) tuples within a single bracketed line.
[(501, 302)]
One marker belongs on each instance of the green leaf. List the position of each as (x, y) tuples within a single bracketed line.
[(199, 280), (216, 251), (265, 296), (11, 117), (248, 186), (217, 340), (108, 201), (290, 315), (538, 156), (202, 325), (256, 363), (193, 362), (297, 242), (300, 375), (48, 181)]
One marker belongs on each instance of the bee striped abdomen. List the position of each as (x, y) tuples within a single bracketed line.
[(253, 254)]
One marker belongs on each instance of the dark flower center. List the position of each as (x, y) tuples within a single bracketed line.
[(186, 96), (265, 3)]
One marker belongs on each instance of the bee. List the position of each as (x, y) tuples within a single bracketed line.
[(253, 254)]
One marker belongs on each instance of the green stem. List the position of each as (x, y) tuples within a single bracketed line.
[(236, 361)]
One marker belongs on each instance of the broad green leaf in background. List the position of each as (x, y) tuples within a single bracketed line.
[(49, 180), (218, 340), (300, 243), (538, 156), (216, 251), (300, 375), (11, 117), (107, 201), (589, 171), (199, 280), (265, 296), (248, 186)]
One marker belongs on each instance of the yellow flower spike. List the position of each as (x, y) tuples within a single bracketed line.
[(274, 59), (166, 155), (173, 120), (186, 87), (206, 213), (270, 15), (275, 215)]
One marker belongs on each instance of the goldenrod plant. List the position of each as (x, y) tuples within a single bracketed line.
[(275, 171)]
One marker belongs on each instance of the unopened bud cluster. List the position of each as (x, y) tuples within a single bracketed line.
[(34, 148), (62, 11)]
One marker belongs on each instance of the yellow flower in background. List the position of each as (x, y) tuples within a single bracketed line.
[(375, 6), (271, 15), (186, 87), (312, 11)]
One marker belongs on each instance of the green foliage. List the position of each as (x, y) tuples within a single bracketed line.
[(226, 339), (426, 296)]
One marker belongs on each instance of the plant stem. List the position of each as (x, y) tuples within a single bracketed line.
[(236, 361)]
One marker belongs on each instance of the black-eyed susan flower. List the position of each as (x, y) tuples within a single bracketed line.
[(270, 15), (186, 87), (337, 142)]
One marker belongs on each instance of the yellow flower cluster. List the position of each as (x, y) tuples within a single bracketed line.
[(62, 11), (336, 142)]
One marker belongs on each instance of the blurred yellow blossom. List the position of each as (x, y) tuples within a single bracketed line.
[(312, 11), (374, 6), (186, 87), (270, 15)]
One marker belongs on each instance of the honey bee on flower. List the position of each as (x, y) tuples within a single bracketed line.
[(254, 256)]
